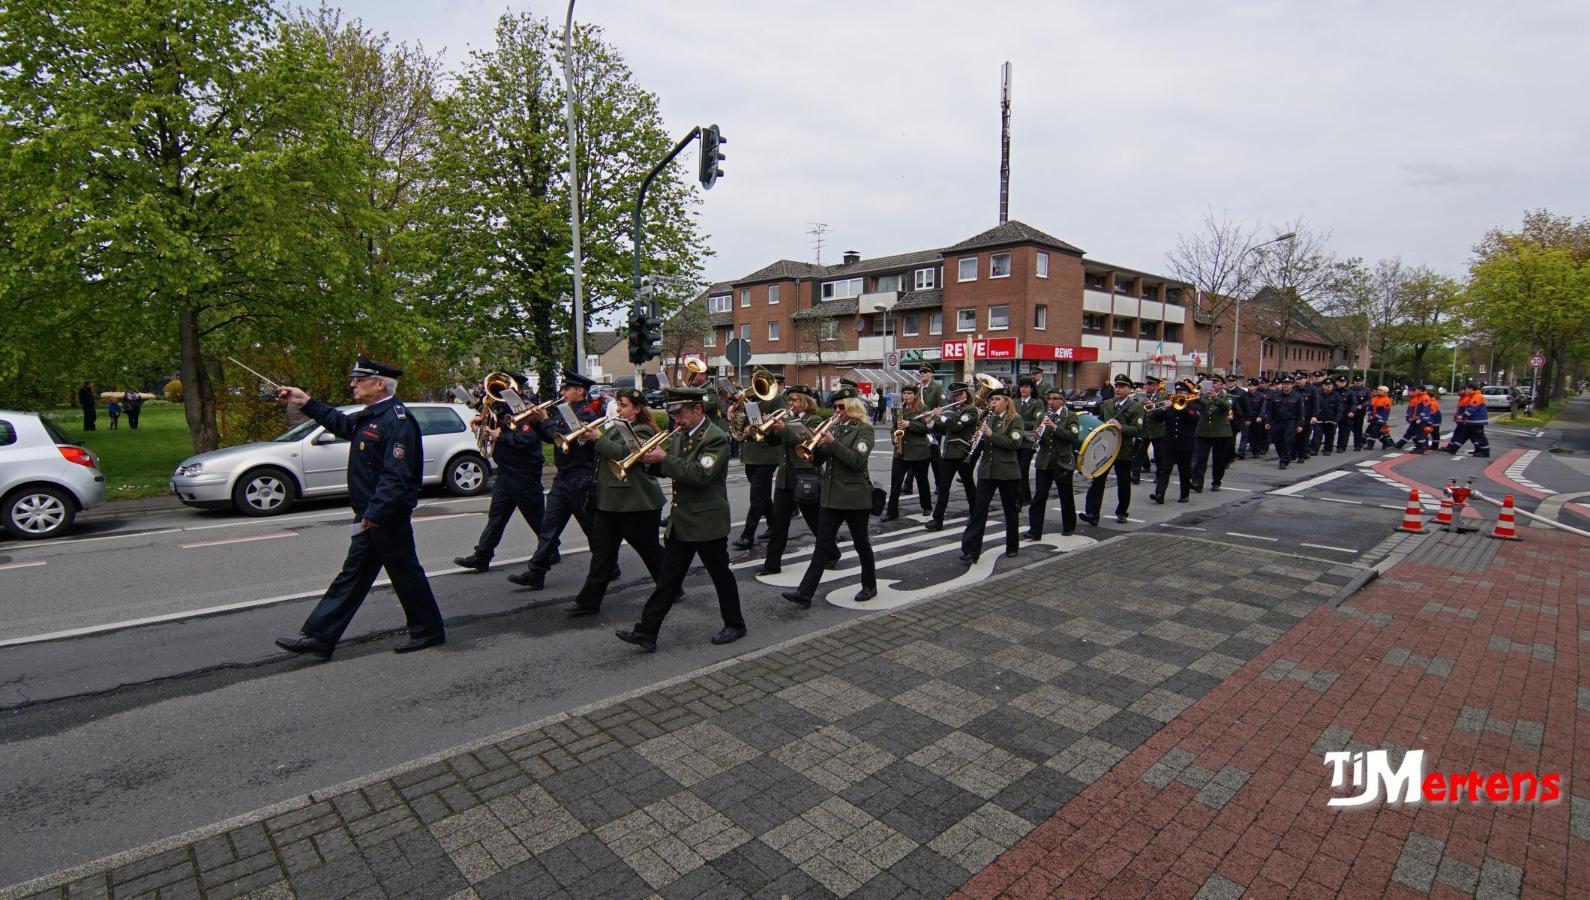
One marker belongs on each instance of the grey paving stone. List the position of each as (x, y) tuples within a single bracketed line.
[(894, 728), (1021, 733), (1219, 887), (1499, 880), (1039, 794)]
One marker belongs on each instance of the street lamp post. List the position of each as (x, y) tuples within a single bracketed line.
[(887, 333), (574, 188), (1236, 331)]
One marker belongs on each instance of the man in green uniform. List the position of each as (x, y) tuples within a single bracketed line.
[(1029, 405), (846, 497), (696, 457), (997, 471), (1214, 436), (955, 429), (1128, 414), (761, 459), (912, 454), (1040, 388), (931, 393), (1057, 450), (628, 507), (1153, 431)]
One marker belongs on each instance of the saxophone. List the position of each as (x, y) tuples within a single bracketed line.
[(899, 435)]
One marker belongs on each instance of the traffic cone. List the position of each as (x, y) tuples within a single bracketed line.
[(1443, 519), (1505, 531), (1413, 519)]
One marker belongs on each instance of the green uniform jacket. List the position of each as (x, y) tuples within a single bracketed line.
[(915, 443), (637, 493), (958, 428), (931, 395), (765, 453), (1057, 450), (713, 404), (1152, 429), (999, 462), (783, 478), (846, 483), (1216, 420), (1129, 414), (699, 467), (1030, 411)]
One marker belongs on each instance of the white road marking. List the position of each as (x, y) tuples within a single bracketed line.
[(446, 516), (1314, 482), (1256, 537), (239, 540), (1339, 500), (1182, 527), (1329, 547), (790, 578), (889, 597), (887, 541), (1516, 472), (22, 565), (1226, 487)]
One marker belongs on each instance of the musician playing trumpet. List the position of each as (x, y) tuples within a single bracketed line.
[(955, 429), (912, 454), (1059, 430), (516, 455), (570, 486), (628, 508), (1180, 417), (797, 483)]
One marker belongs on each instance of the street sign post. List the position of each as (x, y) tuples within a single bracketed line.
[(1537, 361), (738, 353), (891, 361)]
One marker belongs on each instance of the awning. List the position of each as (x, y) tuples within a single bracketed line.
[(880, 378)]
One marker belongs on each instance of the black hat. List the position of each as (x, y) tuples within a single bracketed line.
[(680, 396), (779, 379), (847, 383), (1253, 382), (572, 378), (844, 393), (1153, 379), (928, 369), (908, 387), (1123, 379), (1000, 391), (1284, 379), (960, 386), (365, 367), (1319, 373), (1358, 378), (630, 394), (1025, 382), (799, 389)]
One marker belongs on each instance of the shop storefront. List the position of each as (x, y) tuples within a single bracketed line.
[(1010, 359)]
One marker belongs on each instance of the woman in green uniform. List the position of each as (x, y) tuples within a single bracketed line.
[(627, 509), (797, 484), (846, 496), (1060, 430), (997, 470)]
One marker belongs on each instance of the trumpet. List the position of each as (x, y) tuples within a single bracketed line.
[(621, 467), (807, 449), (1179, 402), (566, 442), (518, 418), (757, 431)]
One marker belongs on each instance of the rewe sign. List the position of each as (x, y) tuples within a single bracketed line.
[(982, 348)]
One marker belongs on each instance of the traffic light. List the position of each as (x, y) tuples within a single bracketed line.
[(712, 142), (637, 339)]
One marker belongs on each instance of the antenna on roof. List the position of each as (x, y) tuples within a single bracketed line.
[(1004, 144), (817, 231)]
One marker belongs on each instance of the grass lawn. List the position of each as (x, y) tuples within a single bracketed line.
[(1540, 418), (136, 463)]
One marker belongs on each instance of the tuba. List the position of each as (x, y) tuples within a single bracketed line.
[(985, 385), (763, 388)]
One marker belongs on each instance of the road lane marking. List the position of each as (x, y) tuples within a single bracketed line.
[(1314, 482), (1182, 527), (238, 540), (1339, 500), (1225, 487), (1256, 537), (886, 542), (22, 565), (464, 515), (1329, 547)]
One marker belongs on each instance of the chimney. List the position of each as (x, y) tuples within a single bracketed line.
[(852, 256)]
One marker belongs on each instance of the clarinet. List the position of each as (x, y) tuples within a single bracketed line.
[(977, 439)]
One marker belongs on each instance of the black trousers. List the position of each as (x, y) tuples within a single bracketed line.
[(828, 522), (608, 531), (1179, 456), (1469, 431), (760, 476), (1259, 438), (1009, 491), (939, 474), (389, 546), (676, 558), (1063, 481), (511, 491), (132, 416), (90, 414), (568, 498), (1205, 447), (950, 470), (902, 473), (1287, 437), (784, 507), (1140, 458), (1344, 427), (1024, 459), (1123, 488)]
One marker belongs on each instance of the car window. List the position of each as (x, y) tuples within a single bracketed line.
[(55, 433), (8, 433), (297, 432), (438, 420)]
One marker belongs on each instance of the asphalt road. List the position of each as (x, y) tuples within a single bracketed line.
[(128, 734)]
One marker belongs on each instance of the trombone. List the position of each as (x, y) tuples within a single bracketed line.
[(621, 467), (566, 442), (757, 431), (807, 449)]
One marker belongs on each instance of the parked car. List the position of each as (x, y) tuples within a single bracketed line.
[(1498, 396), (1086, 400), (267, 477), (46, 478)]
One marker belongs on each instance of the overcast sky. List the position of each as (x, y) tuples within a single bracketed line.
[(1400, 128)]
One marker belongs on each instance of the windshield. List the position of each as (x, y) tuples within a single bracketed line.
[(297, 432)]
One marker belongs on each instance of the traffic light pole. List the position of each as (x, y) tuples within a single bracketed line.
[(638, 226)]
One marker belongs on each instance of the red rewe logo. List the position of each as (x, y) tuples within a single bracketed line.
[(1371, 771)]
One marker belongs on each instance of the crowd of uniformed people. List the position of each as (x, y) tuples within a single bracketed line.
[(800, 459)]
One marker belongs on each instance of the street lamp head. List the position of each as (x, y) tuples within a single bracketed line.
[(1285, 237)]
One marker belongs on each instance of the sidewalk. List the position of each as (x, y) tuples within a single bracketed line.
[(1146, 716)]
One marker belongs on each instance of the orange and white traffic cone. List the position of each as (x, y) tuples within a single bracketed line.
[(1505, 529), (1413, 519), (1443, 519)]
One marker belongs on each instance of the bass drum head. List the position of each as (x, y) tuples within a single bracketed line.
[(1099, 450)]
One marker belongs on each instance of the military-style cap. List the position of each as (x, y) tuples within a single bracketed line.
[(1123, 380), (1025, 382), (778, 379), (845, 393), (630, 394), (1053, 392), (1153, 379), (908, 388), (365, 367), (1253, 382), (959, 386), (928, 369), (572, 378), (799, 389), (1358, 378), (1000, 391), (1284, 379), (1319, 373), (680, 396)]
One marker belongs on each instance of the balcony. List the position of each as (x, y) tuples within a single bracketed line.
[(1175, 314), (886, 299), (1126, 306), (1123, 345), (1096, 301), (1097, 341), (1151, 310)]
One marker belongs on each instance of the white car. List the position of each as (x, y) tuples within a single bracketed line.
[(46, 478), (1498, 396), (265, 478)]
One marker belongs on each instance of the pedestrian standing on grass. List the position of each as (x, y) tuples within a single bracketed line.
[(89, 403), (133, 404), (114, 408)]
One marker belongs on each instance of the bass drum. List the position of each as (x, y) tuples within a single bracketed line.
[(1101, 443)]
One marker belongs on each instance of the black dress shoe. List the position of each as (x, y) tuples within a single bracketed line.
[(473, 561), (1157, 498), (889, 517), (1068, 533), (744, 543), (1029, 535), (934, 525), (967, 559), (796, 598), (1197, 489), (309, 645), (769, 570), (865, 594), (420, 643), (1215, 486), (1120, 517), (1091, 520), (580, 611), (1182, 499), (645, 642), (728, 635), (1011, 554), (531, 580)]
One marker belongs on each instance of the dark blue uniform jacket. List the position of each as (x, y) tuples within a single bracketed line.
[(385, 459)]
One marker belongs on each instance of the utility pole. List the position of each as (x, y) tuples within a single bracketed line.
[(1004, 144), (574, 188)]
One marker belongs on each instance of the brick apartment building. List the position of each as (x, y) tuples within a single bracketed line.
[(1028, 297)]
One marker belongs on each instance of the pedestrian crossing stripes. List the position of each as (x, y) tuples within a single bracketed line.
[(1515, 471)]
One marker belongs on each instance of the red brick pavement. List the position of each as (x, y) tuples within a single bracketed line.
[(1480, 669)]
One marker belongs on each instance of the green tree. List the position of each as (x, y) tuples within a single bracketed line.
[(1539, 294), (178, 176), (1429, 316)]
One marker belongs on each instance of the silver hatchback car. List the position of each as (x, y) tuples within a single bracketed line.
[(265, 478), (46, 478)]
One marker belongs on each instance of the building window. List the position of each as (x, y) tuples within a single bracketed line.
[(968, 269), (745, 332), (998, 318), (842, 290), (1123, 327), (1173, 296), (935, 323), (1148, 330), (1093, 322), (966, 320), (1040, 318), (1173, 332), (1093, 281), (883, 323), (926, 279), (1123, 285), (711, 340), (911, 324), (720, 304), (745, 296), (772, 331), (772, 295), (1043, 265), (999, 265), (889, 282), (829, 330)]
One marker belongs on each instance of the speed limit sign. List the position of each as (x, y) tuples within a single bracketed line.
[(1537, 361)]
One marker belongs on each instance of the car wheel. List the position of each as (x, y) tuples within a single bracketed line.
[(40, 511), (466, 475), (264, 492)]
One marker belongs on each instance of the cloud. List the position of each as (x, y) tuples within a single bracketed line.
[(1435, 173)]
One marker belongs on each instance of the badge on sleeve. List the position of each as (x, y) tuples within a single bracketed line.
[(863, 447), (707, 461), (397, 451)]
